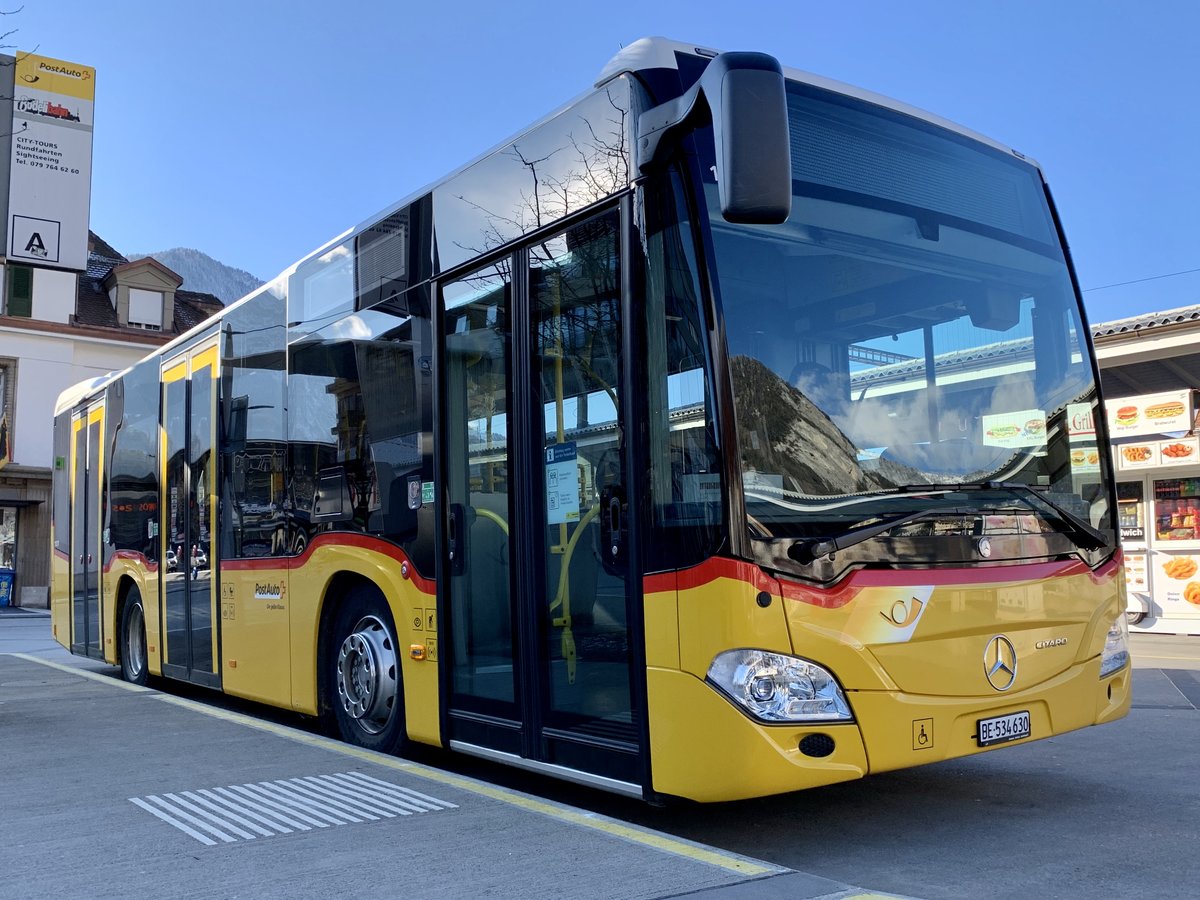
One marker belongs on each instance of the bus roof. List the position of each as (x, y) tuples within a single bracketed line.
[(76, 392), (660, 53), (641, 55)]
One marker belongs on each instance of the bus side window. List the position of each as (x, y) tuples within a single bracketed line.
[(355, 420), (322, 289), (686, 495)]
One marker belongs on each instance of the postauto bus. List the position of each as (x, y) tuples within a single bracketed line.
[(711, 438)]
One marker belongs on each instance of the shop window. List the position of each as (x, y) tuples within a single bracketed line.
[(8, 537), (7, 391), (1177, 509)]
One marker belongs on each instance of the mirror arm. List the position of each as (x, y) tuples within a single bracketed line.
[(675, 117), (686, 111)]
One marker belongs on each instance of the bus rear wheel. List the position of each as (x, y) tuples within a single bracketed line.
[(363, 674), (133, 639)]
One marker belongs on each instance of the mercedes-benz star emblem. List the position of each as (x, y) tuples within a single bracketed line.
[(1000, 663)]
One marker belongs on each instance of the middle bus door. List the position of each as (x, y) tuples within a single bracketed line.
[(541, 617), (189, 467)]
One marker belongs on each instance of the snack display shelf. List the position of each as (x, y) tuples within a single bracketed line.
[(1158, 513)]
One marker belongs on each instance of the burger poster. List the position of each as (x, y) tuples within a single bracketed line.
[(1023, 428), (1149, 414)]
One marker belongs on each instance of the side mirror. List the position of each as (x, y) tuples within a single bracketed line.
[(743, 95)]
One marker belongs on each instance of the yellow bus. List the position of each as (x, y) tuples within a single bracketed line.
[(729, 432)]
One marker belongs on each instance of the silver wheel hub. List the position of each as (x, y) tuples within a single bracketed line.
[(366, 675), (135, 642)]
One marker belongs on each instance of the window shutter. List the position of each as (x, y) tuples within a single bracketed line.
[(20, 291)]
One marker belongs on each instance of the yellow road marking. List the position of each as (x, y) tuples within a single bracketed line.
[(728, 861)]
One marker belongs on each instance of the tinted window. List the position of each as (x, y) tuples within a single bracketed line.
[(686, 498), (322, 289), (564, 165), (62, 496), (132, 462), (359, 399), (253, 369)]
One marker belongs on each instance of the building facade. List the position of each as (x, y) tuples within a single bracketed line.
[(1150, 369), (71, 307), (57, 329)]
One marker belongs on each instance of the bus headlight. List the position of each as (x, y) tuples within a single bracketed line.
[(777, 688), (1116, 648)]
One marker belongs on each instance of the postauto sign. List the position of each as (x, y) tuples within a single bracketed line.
[(50, 183)]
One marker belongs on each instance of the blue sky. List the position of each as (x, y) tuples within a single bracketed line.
[(255, 130)]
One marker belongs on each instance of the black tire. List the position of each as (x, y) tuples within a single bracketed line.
[(362, 673), (1134, 617), (134, 665)]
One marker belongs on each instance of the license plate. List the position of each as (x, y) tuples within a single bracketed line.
[(1001, 729)]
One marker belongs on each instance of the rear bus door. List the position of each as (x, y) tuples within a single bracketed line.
[(87, 430)]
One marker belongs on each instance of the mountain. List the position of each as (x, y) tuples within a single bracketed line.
[(200, 272)]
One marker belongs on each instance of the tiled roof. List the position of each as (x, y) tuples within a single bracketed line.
[(1147, 320), (98, 246), (192, 308), (93, 306)]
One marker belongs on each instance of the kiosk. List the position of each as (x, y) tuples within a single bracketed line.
[(1157, 459)]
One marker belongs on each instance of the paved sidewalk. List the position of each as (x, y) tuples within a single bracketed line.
[(139, 789)]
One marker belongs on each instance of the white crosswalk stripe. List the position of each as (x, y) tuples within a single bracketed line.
[(245, 812)]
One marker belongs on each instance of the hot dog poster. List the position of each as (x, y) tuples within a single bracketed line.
[(1149, 414), (1023, 428)]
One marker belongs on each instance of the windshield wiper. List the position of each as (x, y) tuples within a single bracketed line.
[(1085, 535), (1082, 532), (805, 552)]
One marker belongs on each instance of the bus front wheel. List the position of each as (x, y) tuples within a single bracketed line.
[(133, 640), (363, 674)]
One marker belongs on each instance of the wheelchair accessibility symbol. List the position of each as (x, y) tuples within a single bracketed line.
[(922, 734)]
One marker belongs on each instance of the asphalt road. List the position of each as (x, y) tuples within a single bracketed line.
[(1103, 812)]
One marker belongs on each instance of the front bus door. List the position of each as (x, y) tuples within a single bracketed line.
[(188, 477), (87, 429), (541, 616)]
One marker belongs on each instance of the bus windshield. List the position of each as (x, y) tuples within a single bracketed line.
[(913, 323)]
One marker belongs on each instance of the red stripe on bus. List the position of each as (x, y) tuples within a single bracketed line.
[(131, 556), (336, 539), (831, 598)]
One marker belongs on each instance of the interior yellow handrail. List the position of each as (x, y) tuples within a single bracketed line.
[(562, 596), (495, 517)]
